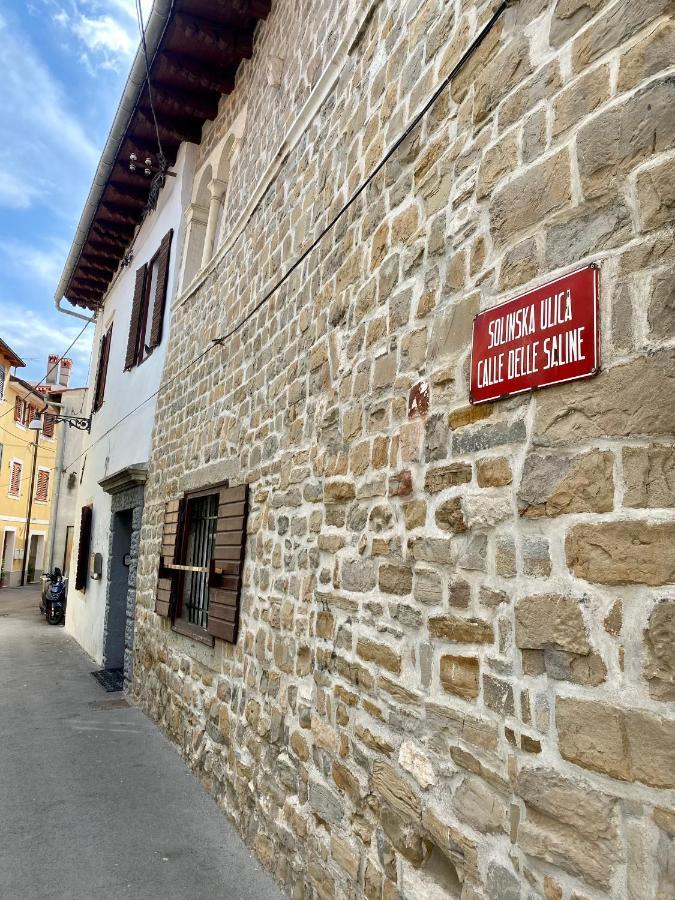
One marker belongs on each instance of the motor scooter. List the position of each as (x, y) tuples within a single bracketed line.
[(53, 600)]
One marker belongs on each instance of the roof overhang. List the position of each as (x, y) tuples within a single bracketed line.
[(194, 49), (14, 360)]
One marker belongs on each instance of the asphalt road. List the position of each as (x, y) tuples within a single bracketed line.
[(94, 801)]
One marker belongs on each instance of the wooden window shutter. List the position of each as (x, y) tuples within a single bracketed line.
[(83, 549), (42, 488), (160, 291), (174, 517), (102, 372), (18, 409), (134, 324), (15, 479), (227, 564), (48, 425)]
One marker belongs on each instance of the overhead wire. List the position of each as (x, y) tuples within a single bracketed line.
[(216, 342), (49, 372)]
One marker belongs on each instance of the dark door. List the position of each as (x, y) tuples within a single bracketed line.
[(118, 592)]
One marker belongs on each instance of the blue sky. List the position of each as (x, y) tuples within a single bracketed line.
[(64, 64)]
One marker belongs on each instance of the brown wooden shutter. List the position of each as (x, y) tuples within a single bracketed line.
[(18, 409), (48, 425), (15, 479), (83, 549), (174, 517), (227, 565), (101, 374), (42, 489), (135, 321), (160, 290)]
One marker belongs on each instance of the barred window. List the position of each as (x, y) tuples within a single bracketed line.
[(200, 532)]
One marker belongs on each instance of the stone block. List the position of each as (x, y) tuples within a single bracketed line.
[(551, 622), (519, 264), (488, 436), (498, 695), (460, 675), (381, 654), (339, 491), (451, 329), (494, 472), (415, 514), (568, 824), (624, 401), (649, 476), (500, 73), (461, 631), (395, 579), (442, 477), (616, 25), (497, 162), (589, 670), (579, 99), (659, 651), (555, 485), (501, 883), (358, 575), (529, 198), (626, 744), (486, 510), (478, 804), (396, 792), (428, 587), (615, 141), (569, 17), (628, 552), (415, 761), (661, 314), (469, 415), (449, 516), (593, 226), (651, 55), (536, 558), (433, 550), (656, 194), (325, 803)]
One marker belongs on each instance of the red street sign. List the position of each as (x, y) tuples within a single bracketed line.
[(544, 337)]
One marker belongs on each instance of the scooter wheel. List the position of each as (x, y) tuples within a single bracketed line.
[(54, 616)]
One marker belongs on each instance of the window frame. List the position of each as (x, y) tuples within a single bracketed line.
[(48, 472), (179, 621), (15, 462), (144, 312), (102, 368)]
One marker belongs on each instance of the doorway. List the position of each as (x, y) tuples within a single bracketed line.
[(118, 591), (36, 552), (68, 552), (7, 559)]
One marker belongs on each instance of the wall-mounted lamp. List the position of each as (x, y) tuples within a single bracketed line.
[(84, 424)]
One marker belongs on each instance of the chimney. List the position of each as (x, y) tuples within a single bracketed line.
[(64, 373), (52, 368)]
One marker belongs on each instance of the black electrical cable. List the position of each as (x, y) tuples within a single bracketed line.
[(49, 371), (216, 342), (141, 28)]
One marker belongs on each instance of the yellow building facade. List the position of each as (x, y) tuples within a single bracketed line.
[(21, 453)]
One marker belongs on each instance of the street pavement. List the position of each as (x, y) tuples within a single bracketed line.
[(94, 801)]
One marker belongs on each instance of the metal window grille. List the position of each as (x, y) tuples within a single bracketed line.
[(202, 517)]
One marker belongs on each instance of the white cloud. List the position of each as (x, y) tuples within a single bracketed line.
[(107, 30), (43, 264), (35, 336), (43, 145)]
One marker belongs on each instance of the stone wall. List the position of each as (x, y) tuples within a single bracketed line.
[(455, 669)]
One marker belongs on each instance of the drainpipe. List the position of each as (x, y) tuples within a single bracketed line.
[(71, 312), (157, 23)]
